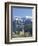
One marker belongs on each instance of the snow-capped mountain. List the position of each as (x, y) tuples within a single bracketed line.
[(22, 18), (18, 22)]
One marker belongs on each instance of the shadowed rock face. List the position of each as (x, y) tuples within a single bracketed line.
[(28, 21)]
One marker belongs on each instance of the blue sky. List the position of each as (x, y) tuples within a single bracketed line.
[(22, 12)]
